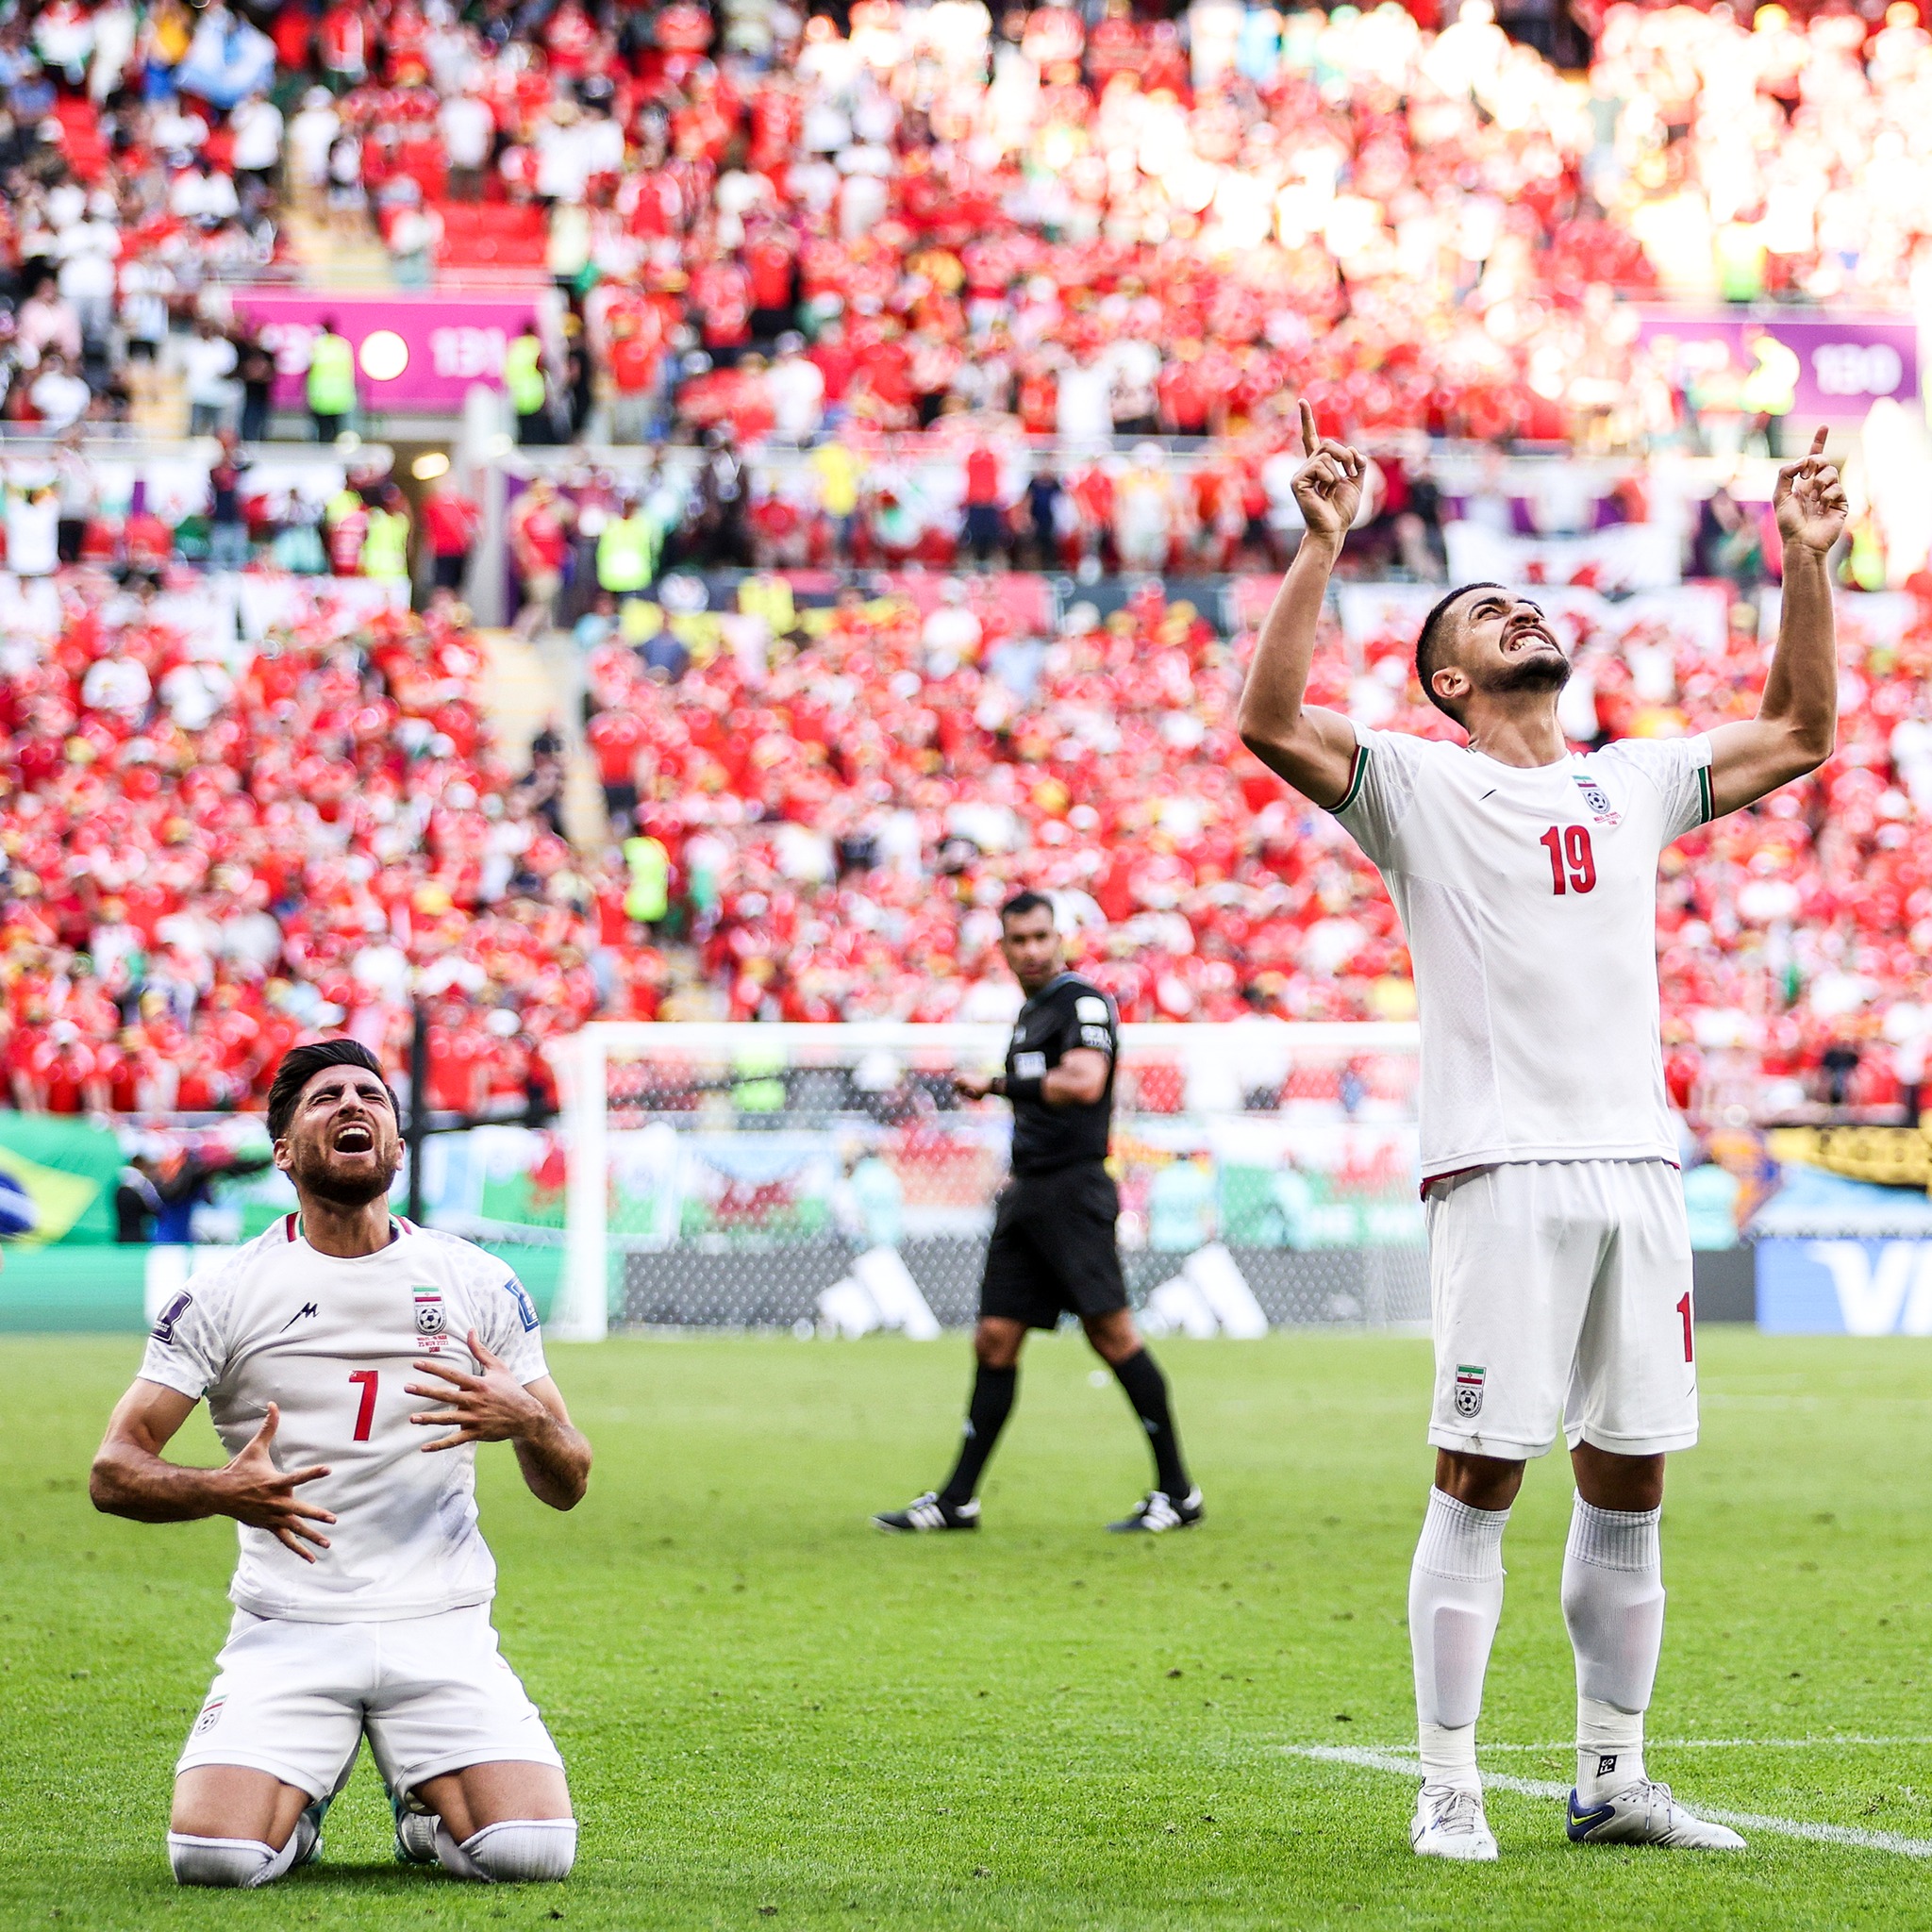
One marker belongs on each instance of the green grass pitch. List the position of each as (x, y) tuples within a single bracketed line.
[(773, 1716)]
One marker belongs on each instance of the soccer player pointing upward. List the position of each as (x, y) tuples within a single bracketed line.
[(352, 1361), (1559, 1263), (1052, 1233)]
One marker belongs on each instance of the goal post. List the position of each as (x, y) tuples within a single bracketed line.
[(829, 1177)]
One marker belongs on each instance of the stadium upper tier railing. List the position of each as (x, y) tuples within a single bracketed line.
[(832, 1176)]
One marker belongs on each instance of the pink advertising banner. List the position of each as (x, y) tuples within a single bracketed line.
[(1806, 364), (420, 353)]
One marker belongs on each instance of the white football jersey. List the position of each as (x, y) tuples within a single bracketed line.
[(1529, 902), (334, 1343)]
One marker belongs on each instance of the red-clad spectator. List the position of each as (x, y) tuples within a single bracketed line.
[(837, 361), (450, 523), (615, 738), (635, 357), (770, 263), (343, 40), (539, 532), (57, 1072), (985, 525), (721, 293)]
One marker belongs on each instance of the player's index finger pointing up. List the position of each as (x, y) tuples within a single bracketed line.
[(1310, 440), (1818, 440)]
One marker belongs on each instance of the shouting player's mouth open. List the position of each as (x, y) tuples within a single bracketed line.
[(1526, 631), (1511, 647), (344, 1144)]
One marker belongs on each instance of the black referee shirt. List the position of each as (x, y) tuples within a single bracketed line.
[(1066, 1012)]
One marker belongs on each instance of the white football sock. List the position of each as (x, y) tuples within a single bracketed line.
[(1455, 1601), (1613, 1602), (240, 1864), (454, 1858), (515, 1850)]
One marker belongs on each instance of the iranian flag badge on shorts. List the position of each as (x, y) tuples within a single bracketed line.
[(1469, 1389)]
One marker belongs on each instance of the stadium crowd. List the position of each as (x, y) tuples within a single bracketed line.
[(1062, 223), (810, 811), (208, 854), (814, 814), (141, 152), (884, 236)]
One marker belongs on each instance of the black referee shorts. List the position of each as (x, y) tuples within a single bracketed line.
[(1053, 1248)]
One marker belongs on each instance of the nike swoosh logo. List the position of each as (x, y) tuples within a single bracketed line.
[(1584, 1822)]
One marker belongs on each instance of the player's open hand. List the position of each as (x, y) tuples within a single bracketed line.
[(1329, 487), (1810, 500), (491, 1408), (254, 1490)]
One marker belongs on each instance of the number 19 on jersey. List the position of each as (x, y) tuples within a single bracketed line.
[(1573, 864)]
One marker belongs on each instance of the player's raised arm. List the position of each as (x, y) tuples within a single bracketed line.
[(130, 1478), (1312, 748), (1797, 727)]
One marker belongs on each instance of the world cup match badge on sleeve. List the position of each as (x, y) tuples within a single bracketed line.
[(1469, 1389), (429, 1318), (164, 1323)]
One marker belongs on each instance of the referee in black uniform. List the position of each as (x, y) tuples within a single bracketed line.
[(1053, 1232)]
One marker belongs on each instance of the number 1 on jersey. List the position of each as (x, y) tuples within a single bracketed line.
[(1573, 864), (365, 1409), (1684, 1310)]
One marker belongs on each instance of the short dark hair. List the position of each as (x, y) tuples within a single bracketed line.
[(1022, 903), (301, 1064), (1430, 638)]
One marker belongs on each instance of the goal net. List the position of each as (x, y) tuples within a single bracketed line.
[(830, 1178)]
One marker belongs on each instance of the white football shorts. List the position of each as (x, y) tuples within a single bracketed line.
[(1560, 1294), (431, 1693)]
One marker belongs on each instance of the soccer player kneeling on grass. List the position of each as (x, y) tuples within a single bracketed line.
[(352, 1361), (1559, 1262)]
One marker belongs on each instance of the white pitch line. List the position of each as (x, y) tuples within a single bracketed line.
[(1736, 1744), (1850, 1835)]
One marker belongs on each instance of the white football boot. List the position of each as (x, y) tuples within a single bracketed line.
[(1449, 1823), (1646, 1814)]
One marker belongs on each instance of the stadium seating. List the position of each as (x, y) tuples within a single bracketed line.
[(1126, 227), (1073, 228), (201, 867), (1091, 227), (1078, 245), (841, 832)]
